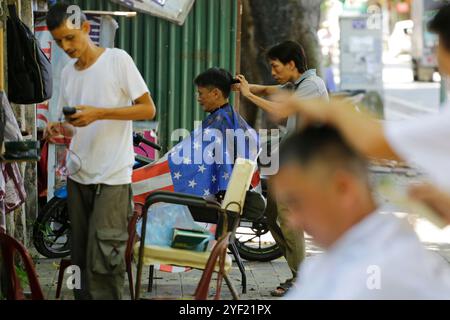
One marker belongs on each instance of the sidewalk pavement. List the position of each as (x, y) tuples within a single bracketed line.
[(262, 277)]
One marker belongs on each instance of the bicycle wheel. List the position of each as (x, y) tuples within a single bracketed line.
[(51, 231), (255, 243)]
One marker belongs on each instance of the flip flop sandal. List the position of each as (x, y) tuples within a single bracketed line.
[(282, 289)]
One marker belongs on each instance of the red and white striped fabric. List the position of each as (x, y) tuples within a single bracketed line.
[(171, 269), (157, 177), (151, 178)]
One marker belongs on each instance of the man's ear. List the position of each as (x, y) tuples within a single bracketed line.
[(346, 186), (342, 181), (292, 65), (86, 27), (217, 93)]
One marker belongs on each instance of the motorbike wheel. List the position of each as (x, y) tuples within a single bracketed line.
[(51, 230), (250, 244)]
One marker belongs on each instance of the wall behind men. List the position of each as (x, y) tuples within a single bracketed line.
[(169, 56)]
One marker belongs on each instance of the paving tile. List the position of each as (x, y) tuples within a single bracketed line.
[(261, 277)]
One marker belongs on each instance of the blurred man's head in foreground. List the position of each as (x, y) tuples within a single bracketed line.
[(70, 29), (441, 26), (324, 183), (213, 88)]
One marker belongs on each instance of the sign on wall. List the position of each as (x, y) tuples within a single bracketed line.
[(361, 51), (172, 10)]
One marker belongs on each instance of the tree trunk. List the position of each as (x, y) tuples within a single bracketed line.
[(266, 23)]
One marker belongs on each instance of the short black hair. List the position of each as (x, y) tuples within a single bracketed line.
[(440, 24), (325, 144), (289, 51), (216, 78), (58, 14)]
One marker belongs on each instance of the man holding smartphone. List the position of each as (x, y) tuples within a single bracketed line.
[(108, 93)]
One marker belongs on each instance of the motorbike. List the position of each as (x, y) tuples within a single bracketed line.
[(51, 230)]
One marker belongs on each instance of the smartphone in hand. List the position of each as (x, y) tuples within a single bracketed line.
[(69, 111)]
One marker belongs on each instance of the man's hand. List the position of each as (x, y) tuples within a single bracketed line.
[(85, 116), (244, 86), (236, 87), (53, 129), (434, 198), (58, 130)]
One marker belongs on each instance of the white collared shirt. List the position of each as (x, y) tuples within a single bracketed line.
[(424, 142), (308, 86), (379, 258)]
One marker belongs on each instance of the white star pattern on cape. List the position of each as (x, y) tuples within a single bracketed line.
[(177, 175), (192, 184)]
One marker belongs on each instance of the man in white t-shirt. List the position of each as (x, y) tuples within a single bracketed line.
[(109, 93), (368, 254), (424, 142)]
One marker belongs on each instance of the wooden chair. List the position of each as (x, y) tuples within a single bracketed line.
[(216, 260), (216, 263), (9, 247), (202, 211), (132, 238)]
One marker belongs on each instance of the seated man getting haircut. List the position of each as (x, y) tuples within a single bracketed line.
[(369, 254), (202, 163)]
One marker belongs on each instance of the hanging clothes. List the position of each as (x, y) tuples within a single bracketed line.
[(12, 189)]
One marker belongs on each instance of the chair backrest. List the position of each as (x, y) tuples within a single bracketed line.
[(239, 184), (8, 247), (216, 259)]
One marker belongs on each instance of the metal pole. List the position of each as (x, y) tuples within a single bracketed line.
[(238, 48)]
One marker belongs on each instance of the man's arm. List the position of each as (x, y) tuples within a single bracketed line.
[(264, 91), (248, 91), (143, 109), (363, 132), (259, 90), (433, 197), (266, 105)]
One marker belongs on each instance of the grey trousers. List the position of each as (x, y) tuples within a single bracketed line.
[(291, 242), (99, 216)]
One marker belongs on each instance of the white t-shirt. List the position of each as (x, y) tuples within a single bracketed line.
[(424, 142), (102, 153), (379, 258)]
